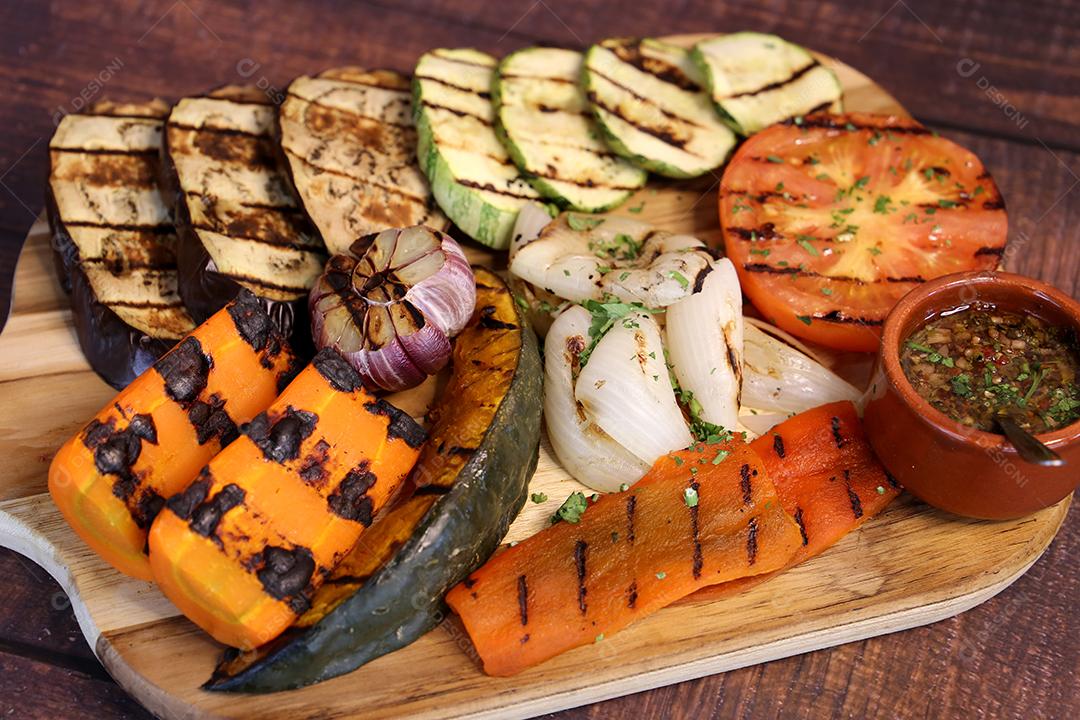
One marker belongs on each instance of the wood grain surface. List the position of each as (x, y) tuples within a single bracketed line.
[(997, 77)]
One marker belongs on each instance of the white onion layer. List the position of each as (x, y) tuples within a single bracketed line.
[(584, 450), (779, 378), (705, 344), (626, 389)]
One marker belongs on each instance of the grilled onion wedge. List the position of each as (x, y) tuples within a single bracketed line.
[(472, 177), (649, 100), (350, 141), (543, 118), (757, 80), (113, 237), (237, 217)]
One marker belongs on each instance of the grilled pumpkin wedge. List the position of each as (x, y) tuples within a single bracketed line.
[(649, 100), (469, 483), (238, 220), (349, 137), (757, 80), (544, 120), (113, 237), (111, 479), (832, 219), (244, 547), (472, 177)]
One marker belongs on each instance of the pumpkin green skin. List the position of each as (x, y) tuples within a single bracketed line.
[(403, 600)]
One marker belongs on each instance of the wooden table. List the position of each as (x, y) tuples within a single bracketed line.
[(999, 78)]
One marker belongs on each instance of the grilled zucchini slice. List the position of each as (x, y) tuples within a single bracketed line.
[(543, 118), (757, 80), (237, 217), (649, 99), (113, 237), (349, 137), (472, 177)]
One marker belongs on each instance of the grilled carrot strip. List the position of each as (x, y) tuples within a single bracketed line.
[(827, 477), (631, 554), (243, 549), (111, 479)]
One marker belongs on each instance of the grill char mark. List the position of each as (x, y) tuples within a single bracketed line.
[(751, 541), (779, 83), (579, 560), (840, 122), (744, 481), (802, 527), (523, 600), (699, 560), (761, 267), (834, 424)]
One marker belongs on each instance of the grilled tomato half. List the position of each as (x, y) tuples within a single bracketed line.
[(830, 219)]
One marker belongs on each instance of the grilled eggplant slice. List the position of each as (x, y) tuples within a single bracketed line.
[(237, 218), (649, 100), (472, 177), (113, 237), (544, 120), (757, 80), (351, 144)]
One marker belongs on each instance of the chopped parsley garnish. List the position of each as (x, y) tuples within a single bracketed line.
[(581, 223), (621, 247), (637, 209), (539, 498), (702, 430), (764, 252), (679, 278), (961, 384), (661, 575), (805, 319), (804, 242), (881, 205), (774, 159), (572, 509), (690, 497), (604, 316)]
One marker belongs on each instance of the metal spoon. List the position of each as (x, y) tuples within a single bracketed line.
[(1028, 447)]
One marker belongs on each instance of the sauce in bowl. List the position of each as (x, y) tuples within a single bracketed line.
[(977, 362)]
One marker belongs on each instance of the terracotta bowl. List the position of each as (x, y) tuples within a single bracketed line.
[(947, 464)]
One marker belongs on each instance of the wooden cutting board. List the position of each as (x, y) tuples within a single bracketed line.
[(910, 566)]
